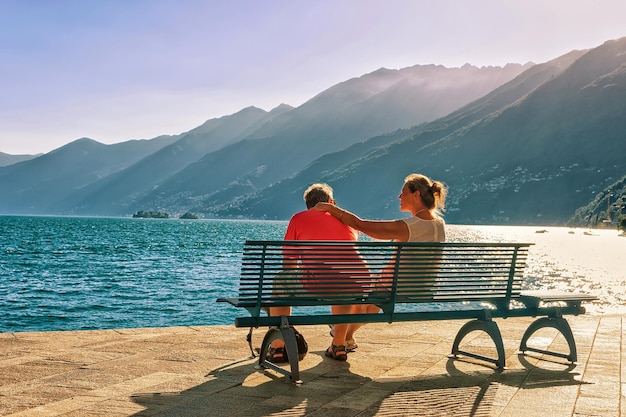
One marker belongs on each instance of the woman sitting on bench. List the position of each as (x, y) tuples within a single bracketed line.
[(424, 199)]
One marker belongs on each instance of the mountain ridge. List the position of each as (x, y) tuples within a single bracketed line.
[(503, 152), (248, 150)]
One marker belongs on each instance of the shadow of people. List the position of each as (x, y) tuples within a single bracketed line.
[(472, 394), (238, 388), (332, 388)]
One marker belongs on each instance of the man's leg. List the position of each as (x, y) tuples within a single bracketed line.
[(278, 311), (278, 343)]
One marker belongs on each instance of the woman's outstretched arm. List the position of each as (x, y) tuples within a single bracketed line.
[(378, 229)]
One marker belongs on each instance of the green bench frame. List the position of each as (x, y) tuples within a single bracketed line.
[(422, 281)]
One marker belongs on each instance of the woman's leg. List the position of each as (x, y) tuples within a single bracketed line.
[(352, 328), (337, 349)]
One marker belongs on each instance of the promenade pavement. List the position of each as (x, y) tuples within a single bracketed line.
[(398, 370)]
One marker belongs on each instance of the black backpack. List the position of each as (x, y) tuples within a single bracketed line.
[(303, 346)]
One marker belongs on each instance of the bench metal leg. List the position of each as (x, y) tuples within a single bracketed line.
[(491, 328), (286, 333), (558, 323)]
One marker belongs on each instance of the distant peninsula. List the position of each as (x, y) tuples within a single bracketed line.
[(151, 215)]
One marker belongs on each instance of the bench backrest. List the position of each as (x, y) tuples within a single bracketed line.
[(314, 272)]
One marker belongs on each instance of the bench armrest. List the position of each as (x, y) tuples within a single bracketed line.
[(532, 299)]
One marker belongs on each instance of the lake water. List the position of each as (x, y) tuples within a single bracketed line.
[(70, 273)]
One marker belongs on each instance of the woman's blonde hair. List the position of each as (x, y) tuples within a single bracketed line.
[(432, 193)]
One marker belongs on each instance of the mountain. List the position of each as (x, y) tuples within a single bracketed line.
[(6, 159), (45, 184), (343, 169), (114, 194), (229, 157), (556, 144), (607, 207), (532, 144), (345, 114)]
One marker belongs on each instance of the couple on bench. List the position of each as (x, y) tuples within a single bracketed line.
[(323, 220)]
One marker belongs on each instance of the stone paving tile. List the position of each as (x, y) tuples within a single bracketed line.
[(398, 369)]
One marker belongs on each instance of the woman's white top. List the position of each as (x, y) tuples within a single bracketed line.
[(421, 230)]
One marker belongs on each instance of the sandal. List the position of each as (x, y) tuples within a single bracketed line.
[(277, 355), (338, 353), (351, 345)]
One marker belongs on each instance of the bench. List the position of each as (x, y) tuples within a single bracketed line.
[(409, 281)]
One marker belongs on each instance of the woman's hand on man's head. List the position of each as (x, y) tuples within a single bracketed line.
[(322, 206)]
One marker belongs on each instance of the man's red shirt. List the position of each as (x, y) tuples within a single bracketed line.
[(319, 225)]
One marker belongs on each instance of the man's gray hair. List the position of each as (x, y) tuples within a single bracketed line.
[(318, 193)]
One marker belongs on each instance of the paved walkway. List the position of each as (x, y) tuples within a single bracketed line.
[(398, 370)]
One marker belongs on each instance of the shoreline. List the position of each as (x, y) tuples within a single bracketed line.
[(122, 330)]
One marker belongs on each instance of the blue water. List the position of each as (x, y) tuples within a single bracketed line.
[(72, 273), (64, 273)]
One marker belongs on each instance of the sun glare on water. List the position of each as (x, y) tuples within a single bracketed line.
[(565, 259)]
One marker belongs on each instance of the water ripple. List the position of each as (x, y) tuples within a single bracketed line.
[(63, 273)]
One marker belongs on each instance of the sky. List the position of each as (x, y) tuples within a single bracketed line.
[(118, 70)]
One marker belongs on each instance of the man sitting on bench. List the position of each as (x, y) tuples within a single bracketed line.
[(317, 225)]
